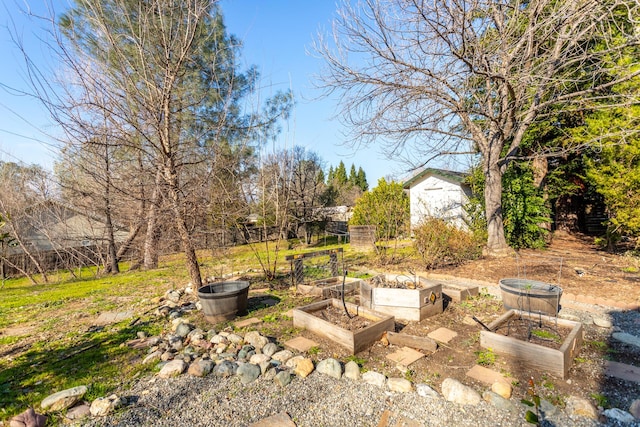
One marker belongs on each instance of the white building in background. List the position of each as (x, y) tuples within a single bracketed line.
[(438, 193)]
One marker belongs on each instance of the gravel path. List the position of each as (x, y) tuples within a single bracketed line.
[(317, 400)]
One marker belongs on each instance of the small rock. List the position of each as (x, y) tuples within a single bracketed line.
[(634, 409), (303, 368), (270, 349), (456, 392), (282, 356), (141, 335), (619, 415), (425, 390), (248, 372), (577, 406), (502, 388), (225, 369), (571, 317), (265, 366), (28, 418), (219, 339), (105, 405), (78, 412), (173, 296), (183, 329), (270, 374), (258, 359), (374, 378), (63, 399), (235, 339), (172, 369), (293, 362), (200, 368), (400, 385), (283, 378), (352, 370), (166, 356), (256, 340), (152, 357), (330, 367), (499, 402), (602, 322)]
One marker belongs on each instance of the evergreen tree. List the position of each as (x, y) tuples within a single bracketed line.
[(353, 176), (361, 180), (341, 174)]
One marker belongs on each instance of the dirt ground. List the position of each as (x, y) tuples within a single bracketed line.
[(571, 261)]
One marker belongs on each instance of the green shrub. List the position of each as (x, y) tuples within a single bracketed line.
[(440, 243)]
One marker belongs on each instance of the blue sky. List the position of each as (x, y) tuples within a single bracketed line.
[(277, 36)]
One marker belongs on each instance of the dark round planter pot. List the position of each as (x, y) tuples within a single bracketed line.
[(224, 300), (530, 296)]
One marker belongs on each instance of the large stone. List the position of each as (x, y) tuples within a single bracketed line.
[(78, 412), (283, 378), (258, 359), (456, 392), (602, 322), (225, 369), (63, 399), (248, 372), (183, 329), (152, 357), (425, 390), (374, 378), (352, 370), (256, 340), (270, 349), (330, 367), (619, 415), (577, 406), (104, 405), (235, 339), (303, 368), (293, 362), (28, 418), (499, 402), (172, 369), (282, 356), (502, 388), (400, 385), (634, 409), (200, 368)]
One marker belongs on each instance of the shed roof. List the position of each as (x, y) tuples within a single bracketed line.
[(451, 176)]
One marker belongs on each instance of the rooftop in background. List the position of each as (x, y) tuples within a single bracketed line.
[(453, 176)]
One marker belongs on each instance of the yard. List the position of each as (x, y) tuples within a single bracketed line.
[(51, 339)]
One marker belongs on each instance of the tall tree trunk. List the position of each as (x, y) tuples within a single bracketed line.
[(496, 241), (111, 250), (152, 237), (181, 226)]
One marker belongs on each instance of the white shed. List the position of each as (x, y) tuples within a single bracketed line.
[(438, 193)]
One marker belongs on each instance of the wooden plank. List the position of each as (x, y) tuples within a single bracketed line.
[(459, 291), (413, 341), (313, 254), (535, 356), (556, 362), (397, 297), (354, 341)]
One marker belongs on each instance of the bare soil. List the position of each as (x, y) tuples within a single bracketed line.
[(341, 319)]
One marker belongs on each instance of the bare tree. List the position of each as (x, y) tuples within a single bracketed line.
[(163, 76), (307, 189), (446, 77)]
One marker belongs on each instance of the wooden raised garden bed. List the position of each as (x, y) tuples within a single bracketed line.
[(458, 291), (405, 297), (310, 317), (546, 358), (331, 287)]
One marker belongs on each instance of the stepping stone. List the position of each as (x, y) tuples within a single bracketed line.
[(405, 356), (442, 335), (278, 420), (300, 344), (626, 338), (109, 317), (247, 322), (289, 313), (622, 371), (486, 375)]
